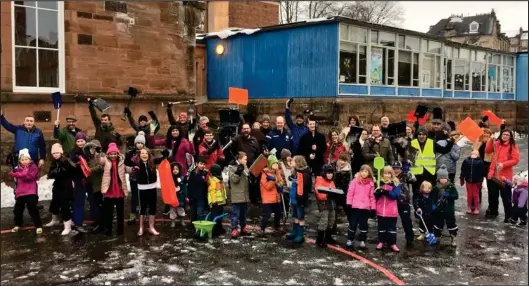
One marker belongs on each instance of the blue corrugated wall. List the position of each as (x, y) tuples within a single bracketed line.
[(521, 77), (299, 62)]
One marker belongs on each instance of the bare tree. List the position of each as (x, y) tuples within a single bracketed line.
[(289, 11), (318, 9), (377, 12)]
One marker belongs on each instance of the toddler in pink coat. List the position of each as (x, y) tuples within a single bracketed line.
[(360, 201)]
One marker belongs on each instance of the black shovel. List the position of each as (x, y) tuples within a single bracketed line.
[(132, 93)]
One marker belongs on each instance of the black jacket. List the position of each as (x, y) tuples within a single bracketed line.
[(305, 149), (61, 170), (472, 170), (248, 145), (146, 174), (184, 127), (197, 186)]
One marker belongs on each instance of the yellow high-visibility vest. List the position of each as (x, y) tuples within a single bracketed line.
[(425, 158)]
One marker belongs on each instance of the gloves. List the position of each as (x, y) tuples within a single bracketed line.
[(239, 170), (289, 102), (378, 193), (280, 189), (462, 182), (446, 195), (165, 153), (270, 178), (126, 110)]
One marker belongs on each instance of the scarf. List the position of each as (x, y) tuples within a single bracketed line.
[(365, 181), (114, 180), (361, 142), (378, 139), (386, 181)]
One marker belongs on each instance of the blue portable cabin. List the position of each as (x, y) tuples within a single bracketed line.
[(521, 77), (340, 57)]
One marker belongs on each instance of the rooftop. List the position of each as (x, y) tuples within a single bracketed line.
[(462, 25)]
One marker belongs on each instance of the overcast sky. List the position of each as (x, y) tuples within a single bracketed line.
[(420, 15)]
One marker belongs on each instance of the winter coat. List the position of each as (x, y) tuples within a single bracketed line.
[(104, 134), (426, 202), (305, 149), (27, 178), (349, 137), (279, 140), (31, 139), (107, 175), (75, 157), (405, 192), (325, 201), (446, 197), (250, 146), (184, 147), (66, 137), (361, 196), (472, 170), (61, 171), (450, 158), (197, 186), (333, 151), (238, 185), (519, 196), (96, 164), (270, 189), (199, 138), (303, 186), (371, 147), (505, 154), (131, 159), (211, 158), (180, 182), (296, 130), (184, 127), (146, 174), (216, 192), (146, 128), (357, 157), (386, 205), (342, 177)]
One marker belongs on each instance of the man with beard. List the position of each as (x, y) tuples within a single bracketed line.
[(384, 126), (377, 145), (312, 145), (66, 135), (265, 125), (184, 124), (105, 132), (249, 145), (297, 128)]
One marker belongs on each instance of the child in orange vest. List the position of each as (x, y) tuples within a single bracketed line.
[(271, 185)]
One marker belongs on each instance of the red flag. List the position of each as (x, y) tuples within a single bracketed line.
[(84, 167), (492, 117), (411, 118)]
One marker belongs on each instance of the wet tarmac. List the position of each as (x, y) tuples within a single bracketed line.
[(488, 252)]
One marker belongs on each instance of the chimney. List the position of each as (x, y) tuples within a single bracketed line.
[(492, 13), (431, 27)]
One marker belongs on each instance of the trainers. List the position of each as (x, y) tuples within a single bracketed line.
[(39, 230), (395, 248), (55, 220), (362, 244), (234, 233), (380, 245), (15, 229), (420, 237), (349, 244), (522, 223)]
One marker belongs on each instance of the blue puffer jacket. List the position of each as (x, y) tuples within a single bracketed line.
[(32, 139), (296, 130), (279, 141)]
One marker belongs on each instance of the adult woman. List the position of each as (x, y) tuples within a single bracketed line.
[(505, 155), (349, 133), (356, 152), (176, 146), (409, 132), (335, 147)]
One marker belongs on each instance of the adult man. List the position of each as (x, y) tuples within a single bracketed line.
[(184, 124), (297, 129), (377, 145), (249, 145), (313, 145), (105, 132), (199, 135), (421, 153), (143, 122), (66, 135), (265, 125), (279, 138), (384, 126), (27, 136)]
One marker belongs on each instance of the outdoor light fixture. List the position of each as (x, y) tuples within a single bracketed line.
[(219, 49)]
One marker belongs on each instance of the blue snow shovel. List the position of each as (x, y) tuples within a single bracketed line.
[(430, 237), (56, 97)]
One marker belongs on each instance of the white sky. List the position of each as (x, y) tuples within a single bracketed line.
[(420, 15)]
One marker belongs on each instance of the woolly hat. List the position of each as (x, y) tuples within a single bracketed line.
[(80, 135), (24, 153), (442, 173), (519, 179), (423, 130), (327, 168), (397, 165), (265, 117), (112, 147), (143, 118), (285, 153), (272, 159), (216, 171), (140, 138), (56, 148)]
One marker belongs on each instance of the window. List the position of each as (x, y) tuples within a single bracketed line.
[(38, 52), (434, 47), (508, 74), (402, 42), (382, 66), (374, 36), (408, 69), (448, 73), (473, 28), (447, 52), (478, 76), (387, 39), (412, 43), (353, 56), (461, 75), (431, 71)]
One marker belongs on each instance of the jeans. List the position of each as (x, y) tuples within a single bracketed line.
[(506, 195), (80, 191), (358, 217), (108, 210), (29, 201), (405, 218), (298, 212), (387, 230), (267, 211), (238, 215)]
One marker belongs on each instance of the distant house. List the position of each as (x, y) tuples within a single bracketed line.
[(518, 41), (481, 30)]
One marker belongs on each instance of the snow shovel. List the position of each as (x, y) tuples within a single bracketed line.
[(379, 165), (190, 160), (101, 104), (132, 93), (430, 237), (56, 97)]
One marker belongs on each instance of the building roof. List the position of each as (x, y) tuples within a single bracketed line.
[(462, 25)]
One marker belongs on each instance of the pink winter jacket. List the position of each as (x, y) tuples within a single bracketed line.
[(387, 203), (27, 178), (360, 196)]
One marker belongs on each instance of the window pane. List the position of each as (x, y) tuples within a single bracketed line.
[(26, 3), (363, 63), (348, 67), (374, 37), (415, 69), (48, 31), (387, 39), (26, 67), (437, 71), (428, 71), (404, 68), (448, 52), (47, 4), (377, 59), (493, 74), (478, 69), (358, 35), (48, 68), (346, 46), (496, 59), (412, 43), (464, 54), (25, 26), (343, 32), (507, 79), (448, 73), (461, 70), (508, 60), (402, 43), (391, 63), (434, 47), (424, 45), (481, 57)]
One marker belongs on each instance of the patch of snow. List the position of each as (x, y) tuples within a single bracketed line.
[(287, 262), (167, 280), (337, 281), (292, 282), (317, 19), (431, 270), (456, 20), (249, 31), (175, 268)]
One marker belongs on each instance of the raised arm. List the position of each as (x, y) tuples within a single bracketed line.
[(93, 114), (8, 126), (170, 115), (131, 120)]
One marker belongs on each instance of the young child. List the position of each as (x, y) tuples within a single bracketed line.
[(239, 194), (446, 194), (387, 209), (519, 200), (26, 175), (299, 192), (216, 197), (424, 203), (326, 206), (96, 162), (472, 172), (114, 188), (404, 201), (342, 177), (198, 191), (285, 166), (360, 201), (131, 160), (146, 178), (62, 193), (271, 186), (181, 194)]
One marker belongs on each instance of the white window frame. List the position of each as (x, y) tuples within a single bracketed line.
[(470, 30), (61, 57)]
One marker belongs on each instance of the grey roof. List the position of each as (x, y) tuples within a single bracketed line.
[(485, 21)]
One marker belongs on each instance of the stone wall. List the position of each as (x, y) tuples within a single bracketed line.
[(253, 14)]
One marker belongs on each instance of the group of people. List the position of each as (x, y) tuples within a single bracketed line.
[(417, 179)]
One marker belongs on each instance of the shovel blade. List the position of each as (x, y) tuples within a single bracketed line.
[(101, 105), (378, 163)]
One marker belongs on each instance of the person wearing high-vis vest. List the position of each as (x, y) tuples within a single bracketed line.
[(423, 159)]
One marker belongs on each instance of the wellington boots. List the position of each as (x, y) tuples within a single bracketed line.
[(140, 231), (320, 241), (55, 220), (151, 226)]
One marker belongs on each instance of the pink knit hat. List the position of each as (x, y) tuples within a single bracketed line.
[(56, 148), (112, 147)]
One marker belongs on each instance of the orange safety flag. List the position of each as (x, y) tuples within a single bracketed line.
[(84, 167), (470, 129), (411, 118), (492, 117), (238, 96)]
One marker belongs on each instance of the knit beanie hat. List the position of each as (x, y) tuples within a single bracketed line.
[(423, 130), (265, 117), (327, 168), (56, 148), (140, 138), (442, 173), (112, 147), (80, 135), (285, 153), (142, 118), (216, 171), (397, 165), (24, 153), (271, 161)]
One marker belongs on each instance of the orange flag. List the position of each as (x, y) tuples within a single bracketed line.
[(492, 117), (238, 96), (470, 129)]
